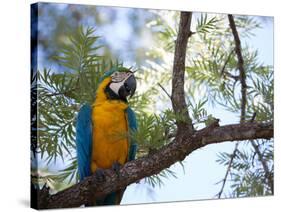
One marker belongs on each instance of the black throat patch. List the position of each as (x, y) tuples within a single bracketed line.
[(111, 95)]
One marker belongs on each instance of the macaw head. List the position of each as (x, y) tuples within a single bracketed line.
[(122, 84)]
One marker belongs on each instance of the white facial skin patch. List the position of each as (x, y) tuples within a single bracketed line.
[(115, 86), (118, 79)]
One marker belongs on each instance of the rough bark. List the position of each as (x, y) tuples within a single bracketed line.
[(152, 164), (178, 96)]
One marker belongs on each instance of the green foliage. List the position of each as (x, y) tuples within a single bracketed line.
[(55, 116), (154, 130), (70, 173), (261, 90), (33, 115), (204, 25), (248, 176), (141, 101), (157, 180), (79, 53), (246, 25), (167, 34), (41, 177), (197, 110), (60, 96), (210, 120)]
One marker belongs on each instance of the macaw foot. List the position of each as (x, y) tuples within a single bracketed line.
[(116, 166), (100, 175)]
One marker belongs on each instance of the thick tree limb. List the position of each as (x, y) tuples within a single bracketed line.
[(178, 96), (152, 164)]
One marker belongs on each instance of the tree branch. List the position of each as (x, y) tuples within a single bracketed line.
[(226, 62), (178, 96), (166, 92), (268, 176), (228, 169), (133, 171), (242, 78), (240, 66)]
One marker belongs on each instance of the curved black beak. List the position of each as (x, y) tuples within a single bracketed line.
[(129, 88)]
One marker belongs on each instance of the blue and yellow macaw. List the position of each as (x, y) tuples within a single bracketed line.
[(102, 129)]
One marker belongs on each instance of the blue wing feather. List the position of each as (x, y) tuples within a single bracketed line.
[(132, 122), (84, 140)]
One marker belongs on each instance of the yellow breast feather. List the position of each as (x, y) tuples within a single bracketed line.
[(110, 140)]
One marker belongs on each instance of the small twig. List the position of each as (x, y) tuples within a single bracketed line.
[(226, 62), (253, 117), (261, 159), (164, 90), (228, 169), (236, 78), (59, 93), (264, 165)]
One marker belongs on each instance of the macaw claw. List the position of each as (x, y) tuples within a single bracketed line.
[(100, 175), (116, 166)]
